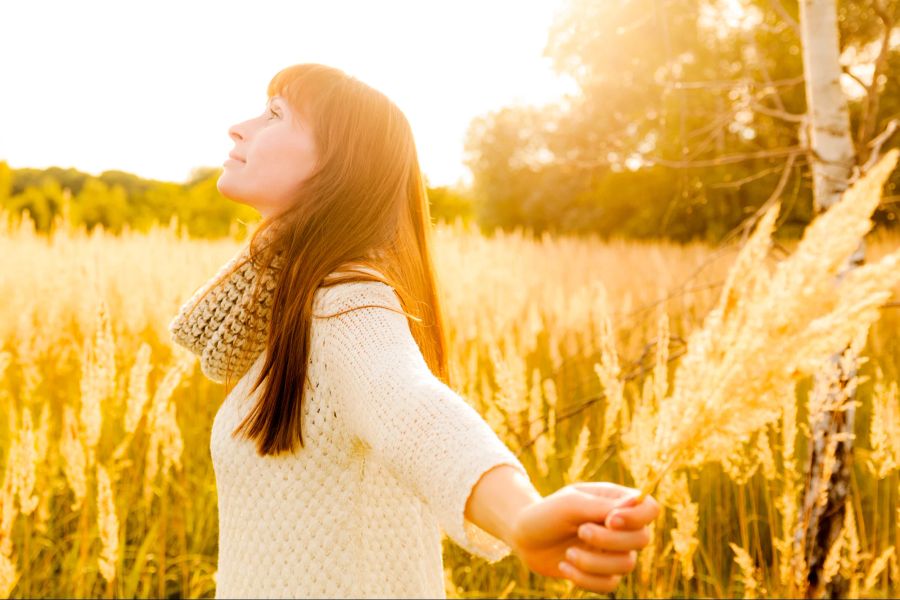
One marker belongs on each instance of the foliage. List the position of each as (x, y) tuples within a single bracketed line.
[(687, 117), (117, 200)]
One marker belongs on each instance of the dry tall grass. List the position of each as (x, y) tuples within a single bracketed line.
[(108, 488)]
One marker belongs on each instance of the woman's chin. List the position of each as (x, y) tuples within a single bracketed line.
[(226, 187)]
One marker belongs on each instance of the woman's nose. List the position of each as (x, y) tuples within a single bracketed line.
[(235, 133)]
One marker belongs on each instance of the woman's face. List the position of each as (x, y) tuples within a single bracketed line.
[(273, 153)]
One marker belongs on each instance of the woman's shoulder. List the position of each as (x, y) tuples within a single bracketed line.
[(354, 294), (362, 318)]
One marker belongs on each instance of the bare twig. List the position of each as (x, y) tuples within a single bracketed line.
[(846, 70), (729, 159), (787, 18), (870, 107), (779, 114), (730, 83), (876, 143), (743, 180)]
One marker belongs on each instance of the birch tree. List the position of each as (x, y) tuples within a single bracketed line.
[(833, 162)]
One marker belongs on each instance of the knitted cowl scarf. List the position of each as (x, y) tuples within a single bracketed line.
[(221, 318)]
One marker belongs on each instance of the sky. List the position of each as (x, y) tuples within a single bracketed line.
[(152, 87)]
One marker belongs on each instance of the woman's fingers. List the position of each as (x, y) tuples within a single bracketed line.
[(599, 562), (594, 500), (633, 517), (616, 540), (595, 583), (605, 489)]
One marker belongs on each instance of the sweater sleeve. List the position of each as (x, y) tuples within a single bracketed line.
[(422, 430)]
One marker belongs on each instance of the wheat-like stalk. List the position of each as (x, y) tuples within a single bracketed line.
[(884, 432), (108, 525), (165, 435), (608, 371), (580, 455), (545, 445), (675, 493), (74, 455), (767, 329), (875, 569), (750, 577), (90, 414), (789, 572), (844, 556), (138, 394), (9, 574), (8, 509), (26, 462)]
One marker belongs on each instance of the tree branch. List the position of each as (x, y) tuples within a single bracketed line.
[(785, 16), (729, 159), (730, 83), (780, 114)]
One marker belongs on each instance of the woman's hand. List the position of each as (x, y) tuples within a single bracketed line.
[(574, 533)]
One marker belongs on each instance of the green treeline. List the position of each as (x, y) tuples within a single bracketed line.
[(115, 199)]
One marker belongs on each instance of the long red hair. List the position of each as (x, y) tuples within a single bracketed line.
[(365, 204)]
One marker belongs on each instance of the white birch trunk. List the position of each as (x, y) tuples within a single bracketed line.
[(832, 158)]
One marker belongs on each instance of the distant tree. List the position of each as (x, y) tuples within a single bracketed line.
[(6, 181), (67, 178), (42, 200), (209, 214), (447, 203), (99, 204), (708, 105)]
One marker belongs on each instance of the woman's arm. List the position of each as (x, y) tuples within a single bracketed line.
[(448, 455), (544, 531), (425, 433), (498, 498)]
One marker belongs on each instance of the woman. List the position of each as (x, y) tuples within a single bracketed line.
[(330, 320)]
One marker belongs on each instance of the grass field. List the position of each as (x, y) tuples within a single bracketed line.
[(104, 436)]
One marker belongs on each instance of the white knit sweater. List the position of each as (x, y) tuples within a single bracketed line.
[(390, 456)]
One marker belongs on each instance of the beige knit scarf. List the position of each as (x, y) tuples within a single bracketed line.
[(220, 323)]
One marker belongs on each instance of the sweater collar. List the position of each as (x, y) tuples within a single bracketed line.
[(221, 323)]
